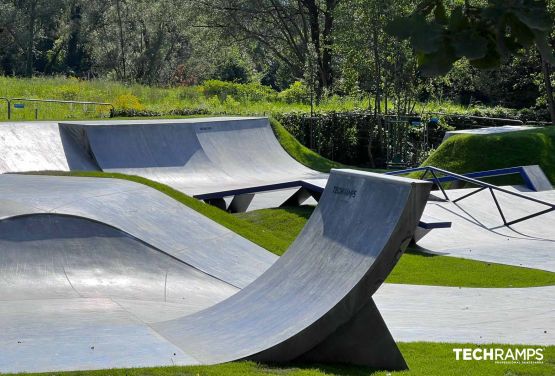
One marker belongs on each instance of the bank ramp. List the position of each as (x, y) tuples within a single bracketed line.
[(195, 156), (40, 146)]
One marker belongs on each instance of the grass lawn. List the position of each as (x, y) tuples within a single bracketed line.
[(415, 267), (300, 152), (467, 153), (275, 230), (424, 359)]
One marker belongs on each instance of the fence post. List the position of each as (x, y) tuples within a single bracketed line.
[(8, 102)]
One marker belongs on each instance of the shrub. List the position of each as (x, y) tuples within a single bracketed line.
[(189, 112), (128, 102), (134, 113), (242, 92), (296, 93)]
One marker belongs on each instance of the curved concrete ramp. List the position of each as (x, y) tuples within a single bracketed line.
[(52, 256), (143, 213), (77, 294), (192, 155), (315, 302), (80, 294), (195, 156)]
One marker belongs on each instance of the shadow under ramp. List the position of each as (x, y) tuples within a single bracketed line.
[(314, 303)]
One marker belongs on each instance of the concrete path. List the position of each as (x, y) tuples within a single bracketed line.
[(469, 315), (478, 233), (97, 328)]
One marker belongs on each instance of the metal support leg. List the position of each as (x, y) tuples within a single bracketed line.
[(240, 203), (439, 185), (498, 206)]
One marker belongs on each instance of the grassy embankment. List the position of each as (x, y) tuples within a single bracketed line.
[(467, 153)]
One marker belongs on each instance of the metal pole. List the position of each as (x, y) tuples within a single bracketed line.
[(8, 102)]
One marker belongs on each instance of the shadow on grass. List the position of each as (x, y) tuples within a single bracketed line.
[(328, 369)]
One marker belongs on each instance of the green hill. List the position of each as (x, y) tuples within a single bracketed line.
[(466, 153)]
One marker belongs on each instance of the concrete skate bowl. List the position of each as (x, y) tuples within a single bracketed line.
[(192, 155), (82, 294)]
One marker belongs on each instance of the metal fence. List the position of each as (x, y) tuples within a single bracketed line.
[(16, 103)]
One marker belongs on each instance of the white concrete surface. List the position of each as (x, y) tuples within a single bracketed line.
[(478, 233), (469, 315)]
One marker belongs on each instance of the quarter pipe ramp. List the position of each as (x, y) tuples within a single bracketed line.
[(192, 155)]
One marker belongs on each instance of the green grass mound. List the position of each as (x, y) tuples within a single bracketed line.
[(300, 152), (424, 359), (467, 153), (415, 267)]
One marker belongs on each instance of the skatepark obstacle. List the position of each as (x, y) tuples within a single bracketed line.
[(69, 276)]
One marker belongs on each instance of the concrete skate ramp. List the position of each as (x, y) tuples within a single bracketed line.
[(143, 213), (52, 256), (315, 302), (39, 146), (80, 294), (192, 155), (76, 294), (478, 232)]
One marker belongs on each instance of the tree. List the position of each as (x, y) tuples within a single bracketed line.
[(282, 29), (26, 22), (484, 33)]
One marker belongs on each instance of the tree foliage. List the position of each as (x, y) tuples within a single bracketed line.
[(483, 33), (391, 53)]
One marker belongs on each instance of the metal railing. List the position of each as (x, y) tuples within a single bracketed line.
[(473, 117), (9, 102), (434, 172)]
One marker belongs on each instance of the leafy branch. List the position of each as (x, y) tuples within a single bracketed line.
[(483, 34)]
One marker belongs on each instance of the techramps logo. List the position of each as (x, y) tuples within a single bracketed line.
[(345, 192), (522, 355)]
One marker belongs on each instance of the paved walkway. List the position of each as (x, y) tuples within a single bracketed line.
[(478, 232), (469, 315)]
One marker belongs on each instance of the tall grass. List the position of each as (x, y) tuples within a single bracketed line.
[(211, 98)]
